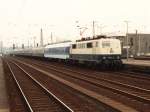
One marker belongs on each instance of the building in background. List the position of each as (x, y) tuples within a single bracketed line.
[(138, 44), (1, 48)]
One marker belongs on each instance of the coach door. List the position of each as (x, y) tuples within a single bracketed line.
[(95, 45)]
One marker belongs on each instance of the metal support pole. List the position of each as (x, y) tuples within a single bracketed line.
[(127, 40), (139, 51), (93, 29), (41, 41)]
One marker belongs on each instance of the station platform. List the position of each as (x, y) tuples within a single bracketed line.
[(4, 106), (145, 63)]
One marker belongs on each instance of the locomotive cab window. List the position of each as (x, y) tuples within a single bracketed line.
[(74, 46), (89, 45)]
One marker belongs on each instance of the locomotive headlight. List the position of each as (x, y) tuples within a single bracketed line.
[(118, 57), (104, 57)]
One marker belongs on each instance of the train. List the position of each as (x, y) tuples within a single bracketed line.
[(101, 51)]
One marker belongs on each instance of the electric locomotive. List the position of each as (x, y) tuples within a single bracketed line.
[(101, 50)]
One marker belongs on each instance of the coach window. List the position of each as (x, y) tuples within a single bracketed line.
[(89, 45), (74, 46), (78, 46), (67, 49), (83, 45)]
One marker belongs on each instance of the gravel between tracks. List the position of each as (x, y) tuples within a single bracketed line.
[(70, 96), (117, 104), (133, 103)]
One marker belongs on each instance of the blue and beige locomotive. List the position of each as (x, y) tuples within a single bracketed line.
[(100, 51), (97, 51)]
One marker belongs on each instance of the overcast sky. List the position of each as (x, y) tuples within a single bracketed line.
[(21, 20)]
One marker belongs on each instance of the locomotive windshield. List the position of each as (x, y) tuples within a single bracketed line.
[(89, 45), (74, 46)]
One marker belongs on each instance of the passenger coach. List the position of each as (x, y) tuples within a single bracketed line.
[(58, 50)]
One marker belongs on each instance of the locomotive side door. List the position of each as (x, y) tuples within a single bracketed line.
[(94, 50)]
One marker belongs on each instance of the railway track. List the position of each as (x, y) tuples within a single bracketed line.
[(88, 105), (86, 91), (36, 96), (16, 103), (134, 75), (127, 77), (135, 93)]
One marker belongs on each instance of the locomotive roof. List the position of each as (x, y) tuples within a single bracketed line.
[(94, 39), (97, 37), (59, 42)]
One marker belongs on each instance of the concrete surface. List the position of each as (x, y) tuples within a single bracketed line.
[(4, 106), (137, 62)]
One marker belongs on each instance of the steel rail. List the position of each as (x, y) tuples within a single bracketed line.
[(45, 89), (104, 79), (131, 95), (96, 96), (133, 75), (19, 87)]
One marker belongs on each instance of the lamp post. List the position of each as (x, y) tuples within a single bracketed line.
[(93, 29), (139, 49), (34, 41), (127, 40), (52, 32)]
